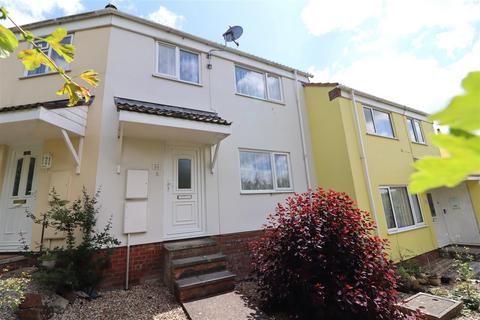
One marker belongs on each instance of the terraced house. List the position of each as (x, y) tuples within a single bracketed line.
[(185, 138), (366, 146)]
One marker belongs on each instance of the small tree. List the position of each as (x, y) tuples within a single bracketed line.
[(318, 259)]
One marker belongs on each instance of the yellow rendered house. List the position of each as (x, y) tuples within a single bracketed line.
[(365, 146)]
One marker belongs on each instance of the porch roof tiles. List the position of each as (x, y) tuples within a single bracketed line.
[(169, 111), (54, 104)]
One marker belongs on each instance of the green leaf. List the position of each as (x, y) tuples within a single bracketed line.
[(90, 77), (463, 112), (66, 51), (75, 93), (8, 42), (3, 13), (28, 36), (33, 58), (463, 160)]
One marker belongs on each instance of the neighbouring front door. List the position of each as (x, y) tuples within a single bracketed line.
[(455, 221), (17, 198), (183, 214)]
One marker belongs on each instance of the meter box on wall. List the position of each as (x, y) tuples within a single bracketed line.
[(136, 198)]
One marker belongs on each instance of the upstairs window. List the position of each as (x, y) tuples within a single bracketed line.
[(263, 171), (402, 210), (378, 122), (415, 130), (47, 49), (258, 84), (178, 63)]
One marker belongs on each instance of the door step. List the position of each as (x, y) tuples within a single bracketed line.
[(196, 269), (204, 285)]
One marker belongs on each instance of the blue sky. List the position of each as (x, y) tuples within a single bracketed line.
[(413, 52)]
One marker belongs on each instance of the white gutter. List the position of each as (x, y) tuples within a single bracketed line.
[(363, 158), (302, 130)]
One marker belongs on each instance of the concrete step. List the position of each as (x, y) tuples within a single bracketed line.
[(191, 266), (190, 248), (204, 285)]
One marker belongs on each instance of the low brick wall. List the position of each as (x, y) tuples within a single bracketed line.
[(146, 260)]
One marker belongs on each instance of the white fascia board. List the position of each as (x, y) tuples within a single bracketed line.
[(19, 116), (370, 101), (61, 122), (154, 120)]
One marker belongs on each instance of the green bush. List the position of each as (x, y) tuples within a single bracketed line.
[(86, 253), (12, 290)]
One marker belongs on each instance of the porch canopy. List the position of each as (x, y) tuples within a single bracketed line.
[(148, 120), (36, 122)]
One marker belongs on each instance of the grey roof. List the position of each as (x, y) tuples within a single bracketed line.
[(164, 110), (53, 104)]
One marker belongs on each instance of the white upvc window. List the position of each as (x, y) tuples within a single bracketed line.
[(258, 84), (177, 63), (265, 171), (415, 130), (378, 122), (402, 210), (47, 49)]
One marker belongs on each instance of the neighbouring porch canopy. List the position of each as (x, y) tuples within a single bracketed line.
[(147, 120), (36, 122)]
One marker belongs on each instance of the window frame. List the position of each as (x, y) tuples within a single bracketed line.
[(176, 77), (271, 154), (394, 136), (265, 84), (49, 53), (416, 224), (412, 122)]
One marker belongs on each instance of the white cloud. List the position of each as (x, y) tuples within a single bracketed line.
[(397, 49), (167, 17), (27, 11)]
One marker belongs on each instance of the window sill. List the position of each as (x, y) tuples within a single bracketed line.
[(261, 99), (405, 229), (266, 192), (157, 75), (42, 75), (381, 136), (420, 143)]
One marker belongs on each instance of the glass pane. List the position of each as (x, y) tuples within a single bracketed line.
[(18, 176), (369, 120), (383, 126), (431, 205), (250, 82), (281, 169), (58, 59), (411, 130), (31, 171), (256, 171), (42, 69), (416, 208), (418, 130), (274, 91), (184, 174), (401, 207), (189, 67), (387, 207), (166, 60)]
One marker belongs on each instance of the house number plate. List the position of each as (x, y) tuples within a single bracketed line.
[(184, 196), (19, 201)]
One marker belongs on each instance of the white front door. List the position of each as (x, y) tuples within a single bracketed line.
[(183, 214), (17, 198), (457, 223)]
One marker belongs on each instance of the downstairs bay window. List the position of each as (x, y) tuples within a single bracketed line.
[(402, 211), (264, 171)]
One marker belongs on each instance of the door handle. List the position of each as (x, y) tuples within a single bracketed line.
[(444, 211)]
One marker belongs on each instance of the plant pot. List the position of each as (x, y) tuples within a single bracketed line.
[(435, 281), (414, 284), (49, 264)]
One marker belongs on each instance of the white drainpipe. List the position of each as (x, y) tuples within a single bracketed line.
[(363, 158), (302, 130)]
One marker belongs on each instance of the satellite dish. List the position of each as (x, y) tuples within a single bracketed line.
[(232, 34)]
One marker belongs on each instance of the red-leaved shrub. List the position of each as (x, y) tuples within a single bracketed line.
[(319, 259)]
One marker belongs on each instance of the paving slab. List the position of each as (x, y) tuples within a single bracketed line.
[(227, 306), (432, 307)]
